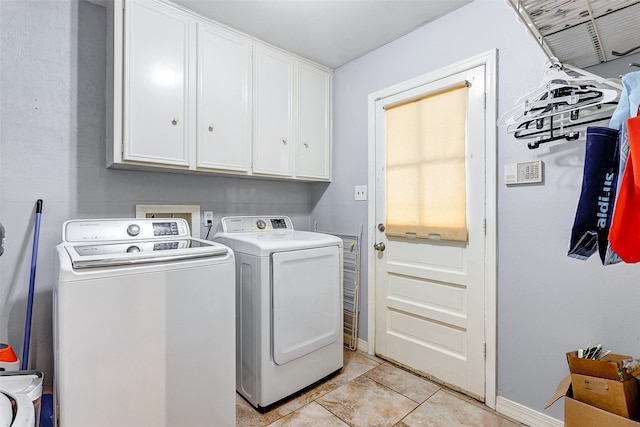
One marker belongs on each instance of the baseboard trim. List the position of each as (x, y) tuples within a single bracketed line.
[(524, 414), (363, 345)]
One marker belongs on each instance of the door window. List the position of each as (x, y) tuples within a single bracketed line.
[(426, 167)]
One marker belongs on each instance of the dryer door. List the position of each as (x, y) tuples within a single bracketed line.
[(306, 294)]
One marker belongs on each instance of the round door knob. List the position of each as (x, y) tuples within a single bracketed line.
[(381, 227), (174, 121), (133, 230), (210, 128), (379, 247)]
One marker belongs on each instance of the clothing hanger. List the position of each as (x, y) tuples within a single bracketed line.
[(569, 126), (561, 92), (567, 100)]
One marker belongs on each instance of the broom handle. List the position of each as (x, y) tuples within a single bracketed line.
[(32, 282)]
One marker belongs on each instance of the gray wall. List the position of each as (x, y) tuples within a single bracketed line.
[(548, 304), (52, 130)]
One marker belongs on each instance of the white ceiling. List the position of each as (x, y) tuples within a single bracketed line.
[(330, 32)]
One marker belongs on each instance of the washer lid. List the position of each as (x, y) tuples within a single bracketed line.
[(264, 244), (141, 252)]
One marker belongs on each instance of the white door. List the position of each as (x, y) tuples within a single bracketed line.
[(224, 114), (156, 84), (430, 292)]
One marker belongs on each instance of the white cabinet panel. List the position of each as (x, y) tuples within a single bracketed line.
[(272, 112), (223, 108), (314, 123), (156, 73)]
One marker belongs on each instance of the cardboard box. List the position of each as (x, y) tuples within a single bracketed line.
[(598, 393), (579, 414), (604, 384)]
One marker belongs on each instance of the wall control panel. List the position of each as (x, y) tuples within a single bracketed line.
[(523, 172)]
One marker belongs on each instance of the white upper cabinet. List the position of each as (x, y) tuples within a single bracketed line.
[(273, 148), (186, 93), (156, 85), (223, 108), (314, 123)]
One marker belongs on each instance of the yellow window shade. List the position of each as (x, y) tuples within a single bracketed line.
[(426, 167)]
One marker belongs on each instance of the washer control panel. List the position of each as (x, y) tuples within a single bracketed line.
[(108, 230), (255, 224)]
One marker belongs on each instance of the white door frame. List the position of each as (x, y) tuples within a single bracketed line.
[(490, 60)]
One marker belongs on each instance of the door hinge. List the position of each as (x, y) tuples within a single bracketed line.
[(484, 100), (484, 350), (484, 226)]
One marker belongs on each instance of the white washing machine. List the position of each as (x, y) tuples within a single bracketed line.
[(143, 326), (288, 304)]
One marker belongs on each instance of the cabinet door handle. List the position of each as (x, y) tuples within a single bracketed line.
[(174, 121), (284, 141), (210, 128), (306, 144)]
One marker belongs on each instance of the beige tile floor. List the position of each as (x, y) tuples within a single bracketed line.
[(372, 392)]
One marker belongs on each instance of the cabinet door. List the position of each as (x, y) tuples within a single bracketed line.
[(273, 110), (156, 72), (314, 123), (224, 114)]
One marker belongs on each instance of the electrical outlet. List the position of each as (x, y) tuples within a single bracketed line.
[(361, 192), (208, 217)]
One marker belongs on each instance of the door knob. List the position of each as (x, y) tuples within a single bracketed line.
[(379, 247), (381, 227)]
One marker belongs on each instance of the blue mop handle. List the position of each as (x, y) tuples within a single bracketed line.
[(32, 282)]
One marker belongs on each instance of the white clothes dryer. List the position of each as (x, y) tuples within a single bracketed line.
[(143, 326), (288, 305)]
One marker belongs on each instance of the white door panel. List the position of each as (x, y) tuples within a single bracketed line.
[(272, 112), (224, 115), (156, 91), (430, 293), (306, 298)]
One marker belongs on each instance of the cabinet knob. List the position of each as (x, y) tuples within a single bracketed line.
[(284, 141), (210, 128), (174, 121), (306, 144)]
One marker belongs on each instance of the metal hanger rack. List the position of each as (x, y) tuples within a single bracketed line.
[(351, 244)]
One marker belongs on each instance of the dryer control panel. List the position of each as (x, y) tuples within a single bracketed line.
[(255, 224)]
